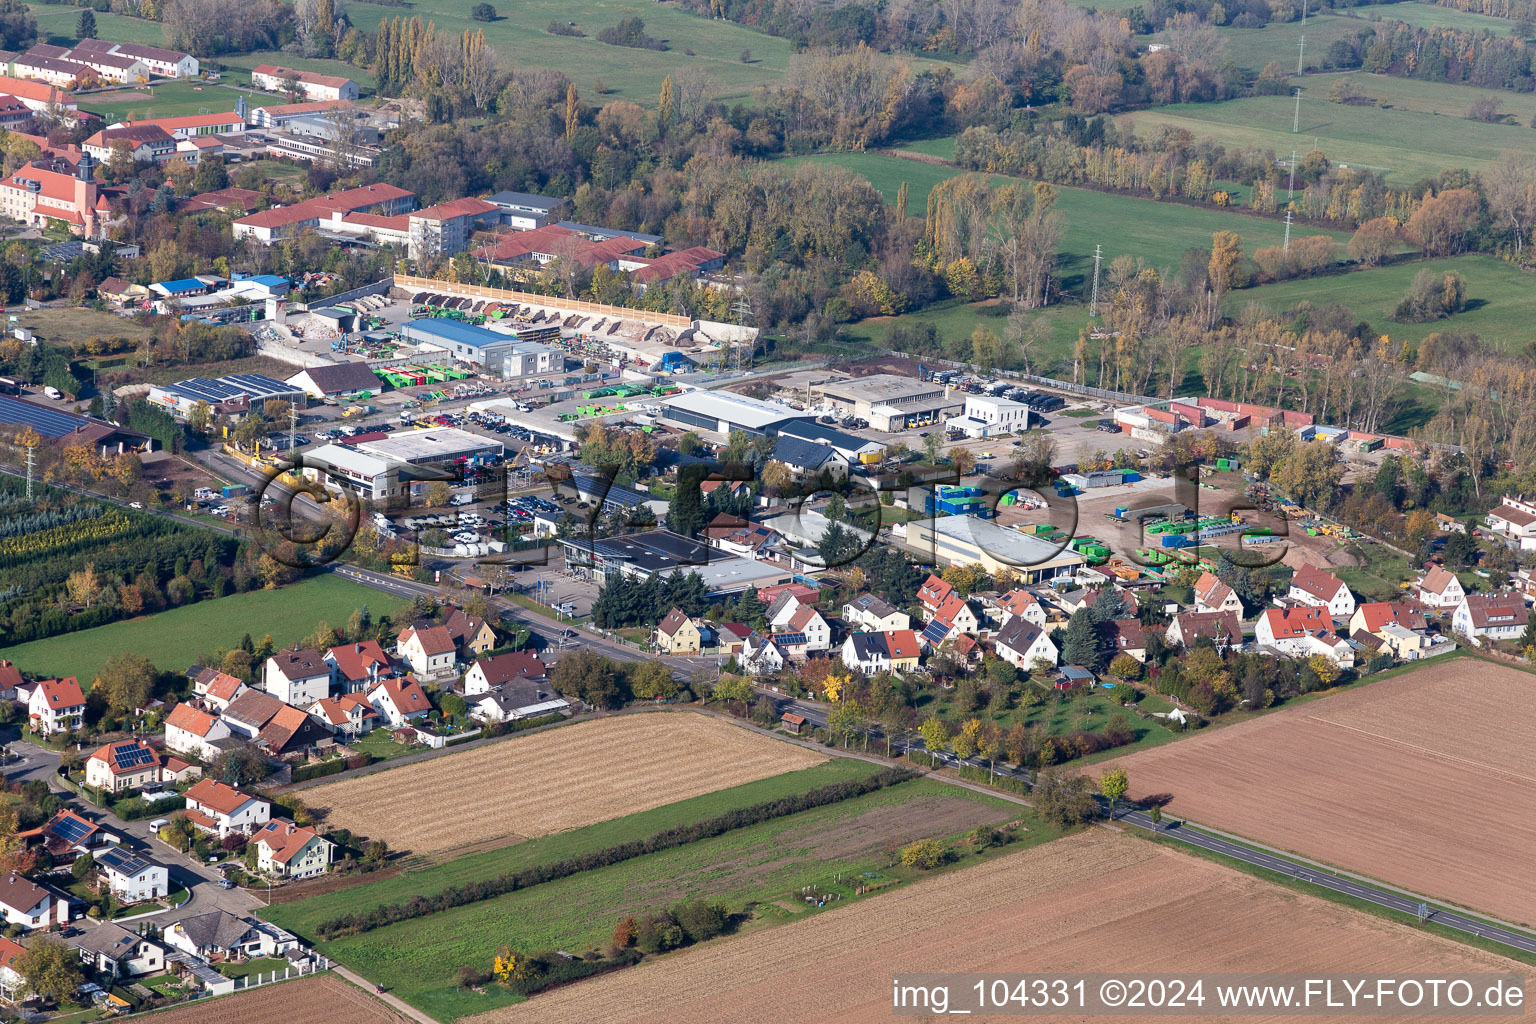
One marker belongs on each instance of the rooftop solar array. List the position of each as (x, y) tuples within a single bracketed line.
[(231, 388), (123, 862), (935, 632), (46, 421), (71, 830), (128, 757)]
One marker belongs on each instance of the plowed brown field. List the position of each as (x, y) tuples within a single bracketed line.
[(323, 1000), (1427, 781), (1097, 901), (554, 780)]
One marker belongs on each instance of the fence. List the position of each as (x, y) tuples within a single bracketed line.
[(314, 965)]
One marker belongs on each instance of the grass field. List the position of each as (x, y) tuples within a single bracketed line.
[(1413, 94), (67, 326), (171, 639), (304, 916), (57, 25), (1502, 298), (169, 99), (1404, 144), (1252, 48), (1124, 225), (1427, 15), (416, 960)]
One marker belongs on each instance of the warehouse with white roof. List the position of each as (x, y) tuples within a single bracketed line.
[(725, 411)]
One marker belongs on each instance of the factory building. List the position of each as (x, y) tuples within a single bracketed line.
[(501, 355), (725, 411), (888, 402)]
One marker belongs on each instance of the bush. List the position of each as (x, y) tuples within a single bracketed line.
[(335, 766), (925, 854), (483, 12), (135, 808), (630, 32), (1432, 296), (564, 28)]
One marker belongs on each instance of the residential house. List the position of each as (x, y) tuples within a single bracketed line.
[(221, 936), (872, 612), (1022, 643), (286, 850), (783, 607), (131, 877), (174, 770), (10, 680), (472, 634), (1515, 521), (1317, 588), (30, 905), (12, 985), (357, 666), (123, 766), (1124, 636), (1371, 616), (297, 677), (896, 650), (1300, 632), (515, 699), (677, 634), (1212, 595), (430, 650), (932, 594), (191, 730), (1491, 617), (809, 458), (115, 951), (488, 673), (954, 617), (794, 646), (806, 621), (55, 705), (1021, 603), (67, 835), (346, 714), (249, 713), (1224, 629), (731, 636), (1402, 643), (217, 689), (760, 656), (291, 731), (400, 701), (307, 84), (214, 807), (902, 648), (1439, 589)]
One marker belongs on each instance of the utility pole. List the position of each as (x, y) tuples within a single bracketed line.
[(1296, 121), (293, 426), (31, 457), (1287, 247), (1290, 189), (1098, 259)]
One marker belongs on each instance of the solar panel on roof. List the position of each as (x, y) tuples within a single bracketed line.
[(48, 422), (71, 830), (123, 862), (132, 757), (935, 632)]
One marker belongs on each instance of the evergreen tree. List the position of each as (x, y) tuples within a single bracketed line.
[(572, 112), (685, 512), (666, 108), (1081, 645), (1106, 605), (85, 28)]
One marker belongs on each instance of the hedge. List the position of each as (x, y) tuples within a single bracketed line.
[(135, 807), (335, 766), (509, 882)]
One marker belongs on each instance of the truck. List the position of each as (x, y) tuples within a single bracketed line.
[(462, 498), (53, 392), (233, 490)]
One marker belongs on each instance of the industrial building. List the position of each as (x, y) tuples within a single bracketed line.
[(501, 355), (725, 411), (662, 552), (853, 449), (525, 212), (434, 445), (344, 467), (336, 379), (231, 395), (967, 540), (888, 402), (986, 416), (69, 428)]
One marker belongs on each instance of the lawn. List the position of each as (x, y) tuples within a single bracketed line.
[(1417, 95), (1404, 144), (70, 326), (172, 639), (260, 965), (57, 25), (378, 745), (1087, 711), (304, 915), (1427, 15), (1252, 48), (168, 99), (1124, 225), (1501, 298), (416, 960)]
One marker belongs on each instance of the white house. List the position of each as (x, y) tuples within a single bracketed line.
[(123, 766), (117, 952), (1495, 616), (1440, 589), (400, 701), (1021, 604), (1515, 520), (866, 652), (781, 610), (286, 850), (1301, 633), (1319, 589), (297, 677), (808, 622), (191, 730), (12, 984), (218, 689), (430, 650), (348, 714), (488, 673), (1224, 628), (1021, 643), (871, 612), (214, 807), (760, 656), (30, 905), (957, 615), (132, 878), (307, 84), (357, 666), (157, 60), (1212, 595), (986, 416), (55, 705)]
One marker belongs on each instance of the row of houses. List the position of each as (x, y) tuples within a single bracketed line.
[(95, 61)]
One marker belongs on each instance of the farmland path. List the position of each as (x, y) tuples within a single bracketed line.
[(395, 1002)]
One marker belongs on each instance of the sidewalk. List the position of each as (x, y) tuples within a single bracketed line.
[(399, 1005)]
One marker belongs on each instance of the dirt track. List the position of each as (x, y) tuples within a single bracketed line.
[(552, 781), (1426, 781), (1097, 901)]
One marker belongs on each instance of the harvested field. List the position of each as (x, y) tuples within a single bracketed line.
[(323, 1000), (552, 781), (1095, 901), (1424, 781)]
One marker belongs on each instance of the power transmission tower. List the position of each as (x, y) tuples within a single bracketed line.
[(1290, 189), (293, 426), (743, 311), (1098, 259), (1287, 247), (1296, 121), (31, 457), (1301, 52)]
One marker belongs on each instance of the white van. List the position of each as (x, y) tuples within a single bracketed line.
[(53, 393)]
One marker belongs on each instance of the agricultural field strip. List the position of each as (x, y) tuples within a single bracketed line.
[(1423, 751), (325, 999), (1093, 901), (554, 780)]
